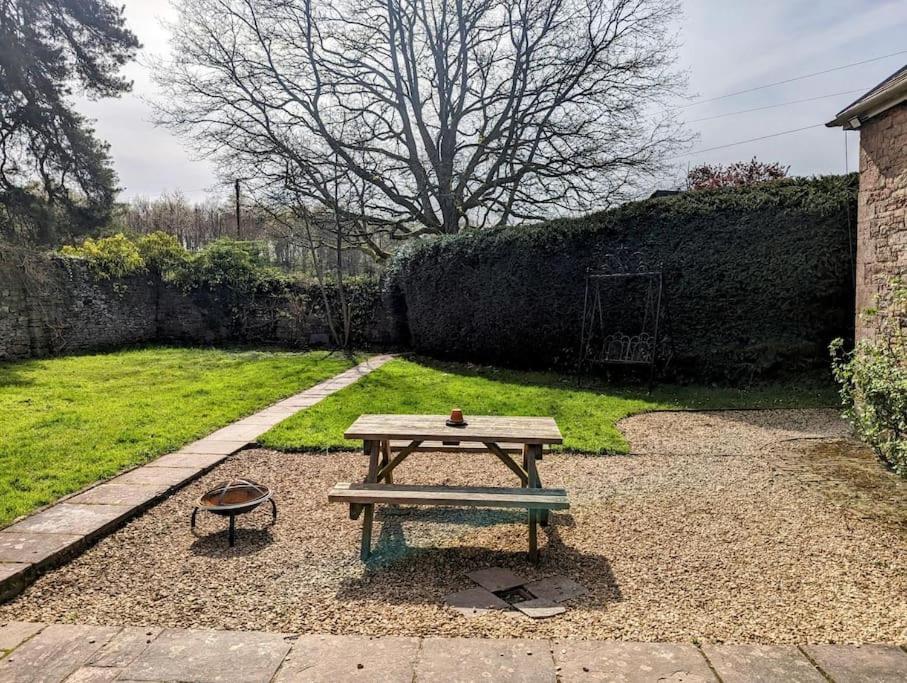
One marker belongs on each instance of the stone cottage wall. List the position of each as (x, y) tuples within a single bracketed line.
[(882, 214)]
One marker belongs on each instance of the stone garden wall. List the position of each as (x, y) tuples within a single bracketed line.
[(55, 305)]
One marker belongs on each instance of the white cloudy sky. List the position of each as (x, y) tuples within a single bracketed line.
[(728, 45)]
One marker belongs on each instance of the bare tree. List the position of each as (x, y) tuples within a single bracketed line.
[(445, 114)]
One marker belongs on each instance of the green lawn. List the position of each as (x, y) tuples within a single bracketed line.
[(66, 422), (586, 413)]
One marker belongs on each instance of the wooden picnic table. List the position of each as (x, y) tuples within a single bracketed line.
[(389, 439)]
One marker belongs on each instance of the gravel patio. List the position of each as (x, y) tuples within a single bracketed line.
[(775, 529)]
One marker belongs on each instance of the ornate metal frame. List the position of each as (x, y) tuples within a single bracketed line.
[(617, 347)]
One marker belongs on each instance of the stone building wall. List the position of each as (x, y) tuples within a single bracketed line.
[(882, 214)]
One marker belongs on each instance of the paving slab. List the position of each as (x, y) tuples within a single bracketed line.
[(93, 674), (265, 419), (556, 588), (470, 660), (304, 401), (625, 662), (34, 548), (13, 634), (214, 446), (161, 478), (195, 656), (69, 518), (54, 654), (350, 658), (118, 494), (125, 647), (860, 663), (13, 576), (198, 461), (761, 664), (475, 601), (496, 579), (235, 432)]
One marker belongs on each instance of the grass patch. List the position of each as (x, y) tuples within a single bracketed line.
[(587, 412), (66, 422)]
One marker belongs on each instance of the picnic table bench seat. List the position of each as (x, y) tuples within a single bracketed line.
[(449, 496)]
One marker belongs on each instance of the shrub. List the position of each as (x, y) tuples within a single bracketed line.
[(164, 255), (757, 280), (873, 381), (109, 257), (241, 266)]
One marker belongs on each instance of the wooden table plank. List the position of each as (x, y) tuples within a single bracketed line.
[(521, 430)]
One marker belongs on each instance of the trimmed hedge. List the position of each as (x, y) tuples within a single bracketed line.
[(757, 280)]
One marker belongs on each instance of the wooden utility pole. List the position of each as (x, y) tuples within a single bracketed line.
[(238, 226)]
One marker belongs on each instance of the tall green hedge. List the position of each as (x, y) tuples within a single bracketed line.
[(757, 280)]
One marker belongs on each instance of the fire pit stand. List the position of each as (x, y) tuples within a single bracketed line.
[(232, 498)]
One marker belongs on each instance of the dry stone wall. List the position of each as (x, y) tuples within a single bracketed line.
[(54, 305)]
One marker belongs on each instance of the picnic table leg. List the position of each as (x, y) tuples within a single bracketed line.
[(385, 459), (533, 453), (530, 454), (373, 448)]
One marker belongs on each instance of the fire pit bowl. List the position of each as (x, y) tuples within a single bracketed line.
[(234, 497)]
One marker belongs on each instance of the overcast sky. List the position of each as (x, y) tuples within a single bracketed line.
[(728, 45)]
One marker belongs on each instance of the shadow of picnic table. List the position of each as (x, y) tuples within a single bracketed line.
[(399, 573)]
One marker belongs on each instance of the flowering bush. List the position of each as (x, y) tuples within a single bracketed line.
[(109, 257)]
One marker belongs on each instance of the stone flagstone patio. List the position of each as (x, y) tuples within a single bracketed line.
[(56, 533), (74, 653)]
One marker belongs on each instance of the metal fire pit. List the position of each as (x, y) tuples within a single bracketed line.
[(235, 497)]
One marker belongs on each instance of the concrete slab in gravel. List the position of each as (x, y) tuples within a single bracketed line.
[(475, 601), (350, 658), (68, 518), (860, 663), (622, 662), (540, 608), (34, 548), (13, 634), (55, 653), (125, 647), (556, 588), (118, 494), (469, 660), (156, 477), (761, 664), (209, 657), (198, 461), (496, 579)]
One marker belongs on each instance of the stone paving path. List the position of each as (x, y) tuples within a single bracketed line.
[(73, 653), (54, 534)]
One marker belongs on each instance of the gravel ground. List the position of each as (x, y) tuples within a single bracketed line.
[(733, 548), (727, 432)]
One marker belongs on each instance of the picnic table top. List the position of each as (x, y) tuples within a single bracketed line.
[(479, 428)]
